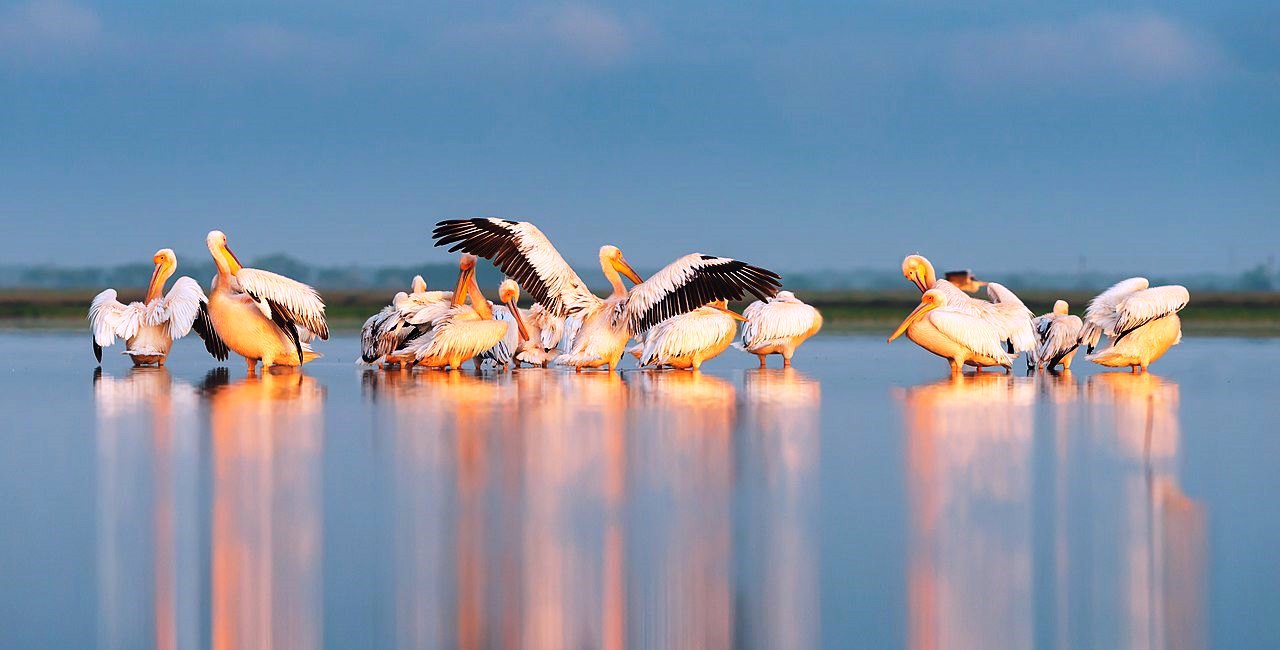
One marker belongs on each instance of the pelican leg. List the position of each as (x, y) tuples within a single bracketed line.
[(763, 362), (956, 368), (1133, 370), (786, 360), (251, 365)]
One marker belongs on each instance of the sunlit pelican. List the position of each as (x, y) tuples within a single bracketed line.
[(462, 332), (687, 340), (599, 329), (518, 335), (1141, 323), (1004, 311), (546, 332), (386, 334), (953, 334), (1059, 336), (260, 315), (149, 327), (778, 326)]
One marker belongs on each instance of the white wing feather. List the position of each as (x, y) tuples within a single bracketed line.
[(110, 318), (1142, 307), (777, 321), (302, 302), (1101, 315), (972, 332), (686, 334), (1059, 334), (182, 304)]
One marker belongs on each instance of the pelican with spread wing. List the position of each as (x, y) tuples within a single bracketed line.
[(386, 334), (686, 341), (1059, 335), (1005, 311), (778, 326), (597, 330), (462, 332), (954, 334), (260, 315), (150, 327), (1140, 321)]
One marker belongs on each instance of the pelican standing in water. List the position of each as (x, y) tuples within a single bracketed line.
[(545, 335), (1141, 323), (687, 340), (260, 315), (150, 327), (954, 334), (778, 326), (386, 334), (1004, 311), (462, 332), (1059, 335), (509, 312), (598, 330)]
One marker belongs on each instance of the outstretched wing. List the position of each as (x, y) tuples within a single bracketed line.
[(203, 327), (1102, 316), (1142, 307), (109, 318), (182, 305), (290, 302), (691, 282), (525, 255)]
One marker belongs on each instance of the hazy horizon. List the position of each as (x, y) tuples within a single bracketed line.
[(1000, 137)]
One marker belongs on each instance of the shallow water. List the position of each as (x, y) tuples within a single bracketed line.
[(862, 499)]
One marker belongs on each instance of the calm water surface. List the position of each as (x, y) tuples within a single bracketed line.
[(861, 500)]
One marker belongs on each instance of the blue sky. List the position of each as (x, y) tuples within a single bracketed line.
[(998, 135)]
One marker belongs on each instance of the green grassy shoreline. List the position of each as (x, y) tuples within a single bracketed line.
[(1209, 314)]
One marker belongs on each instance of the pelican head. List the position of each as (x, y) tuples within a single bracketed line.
[(1060, 307), (723, 305), (165, 263), (509, 295), (786, 296), (466, 277), (228, 263), (929, 301), (418, 285), (918, 270), (611, 256)]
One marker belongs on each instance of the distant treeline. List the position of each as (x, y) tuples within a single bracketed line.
[(441, 276)]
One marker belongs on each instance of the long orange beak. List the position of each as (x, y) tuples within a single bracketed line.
[(914, 316), (732, 314), (918, 280), (520, 326), (477, 297), (464, 283), (232, 260), (624, 268), (153, 291)]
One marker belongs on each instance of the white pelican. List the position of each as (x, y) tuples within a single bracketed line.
[(509, 312), (687, 340), (150, 327), (260, 315), (545, 335), (1059, 335), (599, 328), (386, 334), (462, 332), (1004, 311), (778, 326), (953, 334), (1142, 323)]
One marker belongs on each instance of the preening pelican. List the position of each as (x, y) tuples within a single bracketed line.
[(462, 332), (598, 330), (687, 340), (953, 334), (1005, 311), (386, 334), (1141, 323), (260, 315), (150, 327), (509, 312), (778, 326), (1059, 335)]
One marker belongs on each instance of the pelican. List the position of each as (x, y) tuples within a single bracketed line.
[(260, 315), (462, 332), (1004, 311), (687, 340), (1059, 335), (386, 334), (150, 327), (953, 334), (1142, 323), (509, 312), (545, 334), (598, 330), (778, 326)]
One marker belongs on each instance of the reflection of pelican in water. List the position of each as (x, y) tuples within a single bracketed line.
[(266, 441), (148, 569), (969, 441)]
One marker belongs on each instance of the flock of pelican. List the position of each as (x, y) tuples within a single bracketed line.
[(677, 318)]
